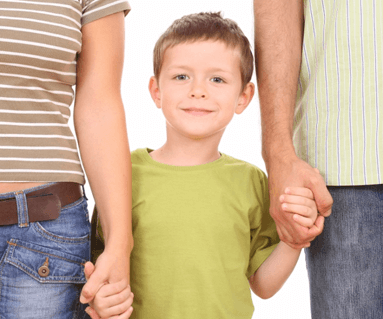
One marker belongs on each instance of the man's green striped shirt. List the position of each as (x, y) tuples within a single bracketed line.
[(338, 122)]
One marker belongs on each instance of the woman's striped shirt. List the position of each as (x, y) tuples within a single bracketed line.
[(39, 44), (338, 123)]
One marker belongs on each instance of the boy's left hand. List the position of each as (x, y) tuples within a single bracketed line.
[(300, 202)]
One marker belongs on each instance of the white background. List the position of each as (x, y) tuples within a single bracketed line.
[(242, 139)]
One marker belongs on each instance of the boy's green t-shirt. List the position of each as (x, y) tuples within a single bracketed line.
[(199, 233)]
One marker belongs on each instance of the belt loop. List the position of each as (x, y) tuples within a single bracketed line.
[(22, 209), (83, 192)]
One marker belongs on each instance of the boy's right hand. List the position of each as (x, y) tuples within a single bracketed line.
[(300, 202), (111, 301)]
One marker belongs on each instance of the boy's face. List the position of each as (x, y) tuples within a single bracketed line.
[(200, 88)]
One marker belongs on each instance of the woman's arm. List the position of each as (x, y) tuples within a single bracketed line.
[(99, 121)]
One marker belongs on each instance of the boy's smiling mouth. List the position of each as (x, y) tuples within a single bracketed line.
[(197, 111)]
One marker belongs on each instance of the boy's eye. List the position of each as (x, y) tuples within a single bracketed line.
[(217, 79), (181, 77)]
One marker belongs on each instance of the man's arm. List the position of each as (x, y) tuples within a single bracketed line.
[(278, 53)]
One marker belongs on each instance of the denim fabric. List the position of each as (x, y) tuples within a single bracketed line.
[(63, 243), (345, 263)]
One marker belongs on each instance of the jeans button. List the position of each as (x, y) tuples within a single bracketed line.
[(44, 269)]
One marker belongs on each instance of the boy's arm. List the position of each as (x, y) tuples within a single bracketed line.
[(275, 270), (278, 49)]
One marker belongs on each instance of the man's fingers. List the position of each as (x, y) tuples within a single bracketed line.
[(318, 225), (285, 236), (291, 233), (324, 205), (317, 228), (92, 313), (322, 196), (88, 269)]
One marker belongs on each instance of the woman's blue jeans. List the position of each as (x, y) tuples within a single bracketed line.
[(345, 262), (62, 245)]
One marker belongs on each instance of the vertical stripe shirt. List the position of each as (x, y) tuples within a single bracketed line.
[(338, 122), (39, 44)]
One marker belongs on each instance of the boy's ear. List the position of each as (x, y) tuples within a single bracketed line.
[(155, 91), (245, 97)]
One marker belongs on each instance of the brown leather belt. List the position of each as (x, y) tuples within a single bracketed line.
[(42, 204)]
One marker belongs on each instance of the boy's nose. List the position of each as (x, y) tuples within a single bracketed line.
[(198, 91), (197, 95)]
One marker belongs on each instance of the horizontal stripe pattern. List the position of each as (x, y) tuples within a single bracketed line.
[(339, 129), (39, 44)]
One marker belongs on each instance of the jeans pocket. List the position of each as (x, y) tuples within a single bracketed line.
[(44, 264), (40, 282), (71, 227)]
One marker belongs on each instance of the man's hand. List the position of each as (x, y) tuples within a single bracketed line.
[(300, 202), (295, 172)]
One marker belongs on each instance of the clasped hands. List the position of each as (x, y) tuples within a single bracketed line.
[(107, 289), (292, 185)]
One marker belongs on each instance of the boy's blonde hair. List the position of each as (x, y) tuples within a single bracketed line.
[(205, 26)]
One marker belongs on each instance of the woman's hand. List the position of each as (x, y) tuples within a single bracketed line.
[(109, 300)]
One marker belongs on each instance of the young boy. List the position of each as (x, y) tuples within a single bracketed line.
[(201, 225)]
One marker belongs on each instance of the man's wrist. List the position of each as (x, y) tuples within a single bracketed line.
[(278, 155), (277, 144)]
